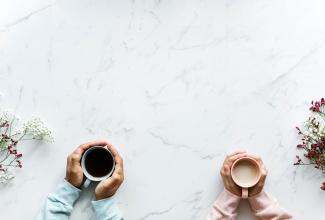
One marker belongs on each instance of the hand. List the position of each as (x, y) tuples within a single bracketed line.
[(228, 182), (108, 187), (259, 186), (74, 174)]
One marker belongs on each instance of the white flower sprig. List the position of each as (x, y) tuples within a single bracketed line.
[(5, 176), (4, 117), (10, 136), (36, 129)]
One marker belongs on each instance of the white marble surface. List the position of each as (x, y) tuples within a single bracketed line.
[(175, 85)]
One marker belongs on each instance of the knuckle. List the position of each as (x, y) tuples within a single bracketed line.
[(73, 171), (225, 170), (106, 185), (118, 178), (109, 184), (74, 157), (262, 179), (264, 173)]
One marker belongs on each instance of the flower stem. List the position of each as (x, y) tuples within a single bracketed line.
[(6, 157)]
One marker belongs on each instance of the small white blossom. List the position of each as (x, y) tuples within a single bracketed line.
[(37, 130), (11, 133), (5, 117), (5, 176)]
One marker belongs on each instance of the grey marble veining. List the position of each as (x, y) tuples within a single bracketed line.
[(174, 85)]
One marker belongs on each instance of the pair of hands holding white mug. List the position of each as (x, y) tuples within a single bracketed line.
[(228, 181), (107, 187)]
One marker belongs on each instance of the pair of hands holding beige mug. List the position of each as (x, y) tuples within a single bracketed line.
[(107, 187), (228, 181)]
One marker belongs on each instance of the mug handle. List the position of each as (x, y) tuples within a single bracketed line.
[(86, 183), (244, 193)]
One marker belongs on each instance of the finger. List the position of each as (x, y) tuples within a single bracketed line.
[(75, 158), (233, 154), (118, 159), (85, 146), (113, 180), (236, 152), (257, 158), (118, 178), (119, 162), (116, 155), (261, 182), (225, 170), (119, 172), (112, 149), (69, 160), (109, 182), (263, 178), (263, 170), (118, 169), (232, 159)]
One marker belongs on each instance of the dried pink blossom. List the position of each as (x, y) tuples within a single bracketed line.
[(313, 138), (10, 157)]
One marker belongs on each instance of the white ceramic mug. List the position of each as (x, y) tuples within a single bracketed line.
[(90, 177), (246, 172)]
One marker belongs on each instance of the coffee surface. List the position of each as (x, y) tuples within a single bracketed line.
[(99, 162), (245, 172)]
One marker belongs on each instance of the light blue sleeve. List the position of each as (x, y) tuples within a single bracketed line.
[(59, 204), (106, 209)]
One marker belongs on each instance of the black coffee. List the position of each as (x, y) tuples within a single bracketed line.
[(99, 162)]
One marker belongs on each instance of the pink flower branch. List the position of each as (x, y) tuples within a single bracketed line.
[(313, 138), (9, 155)]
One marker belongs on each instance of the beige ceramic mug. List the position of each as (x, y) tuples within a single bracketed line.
[(246, 172)]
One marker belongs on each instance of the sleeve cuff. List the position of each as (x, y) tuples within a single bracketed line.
[(106, 209), (228, 202), (260, 201), (66, 193)]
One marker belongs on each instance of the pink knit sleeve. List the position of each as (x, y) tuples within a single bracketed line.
[(266, 208), (224, 207)]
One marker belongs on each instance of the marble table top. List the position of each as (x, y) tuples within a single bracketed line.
[(175, 86)]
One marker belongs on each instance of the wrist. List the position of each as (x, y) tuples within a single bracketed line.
[(253, 192), (101, 197), (236, 192), (256, 193), (72, 182)]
